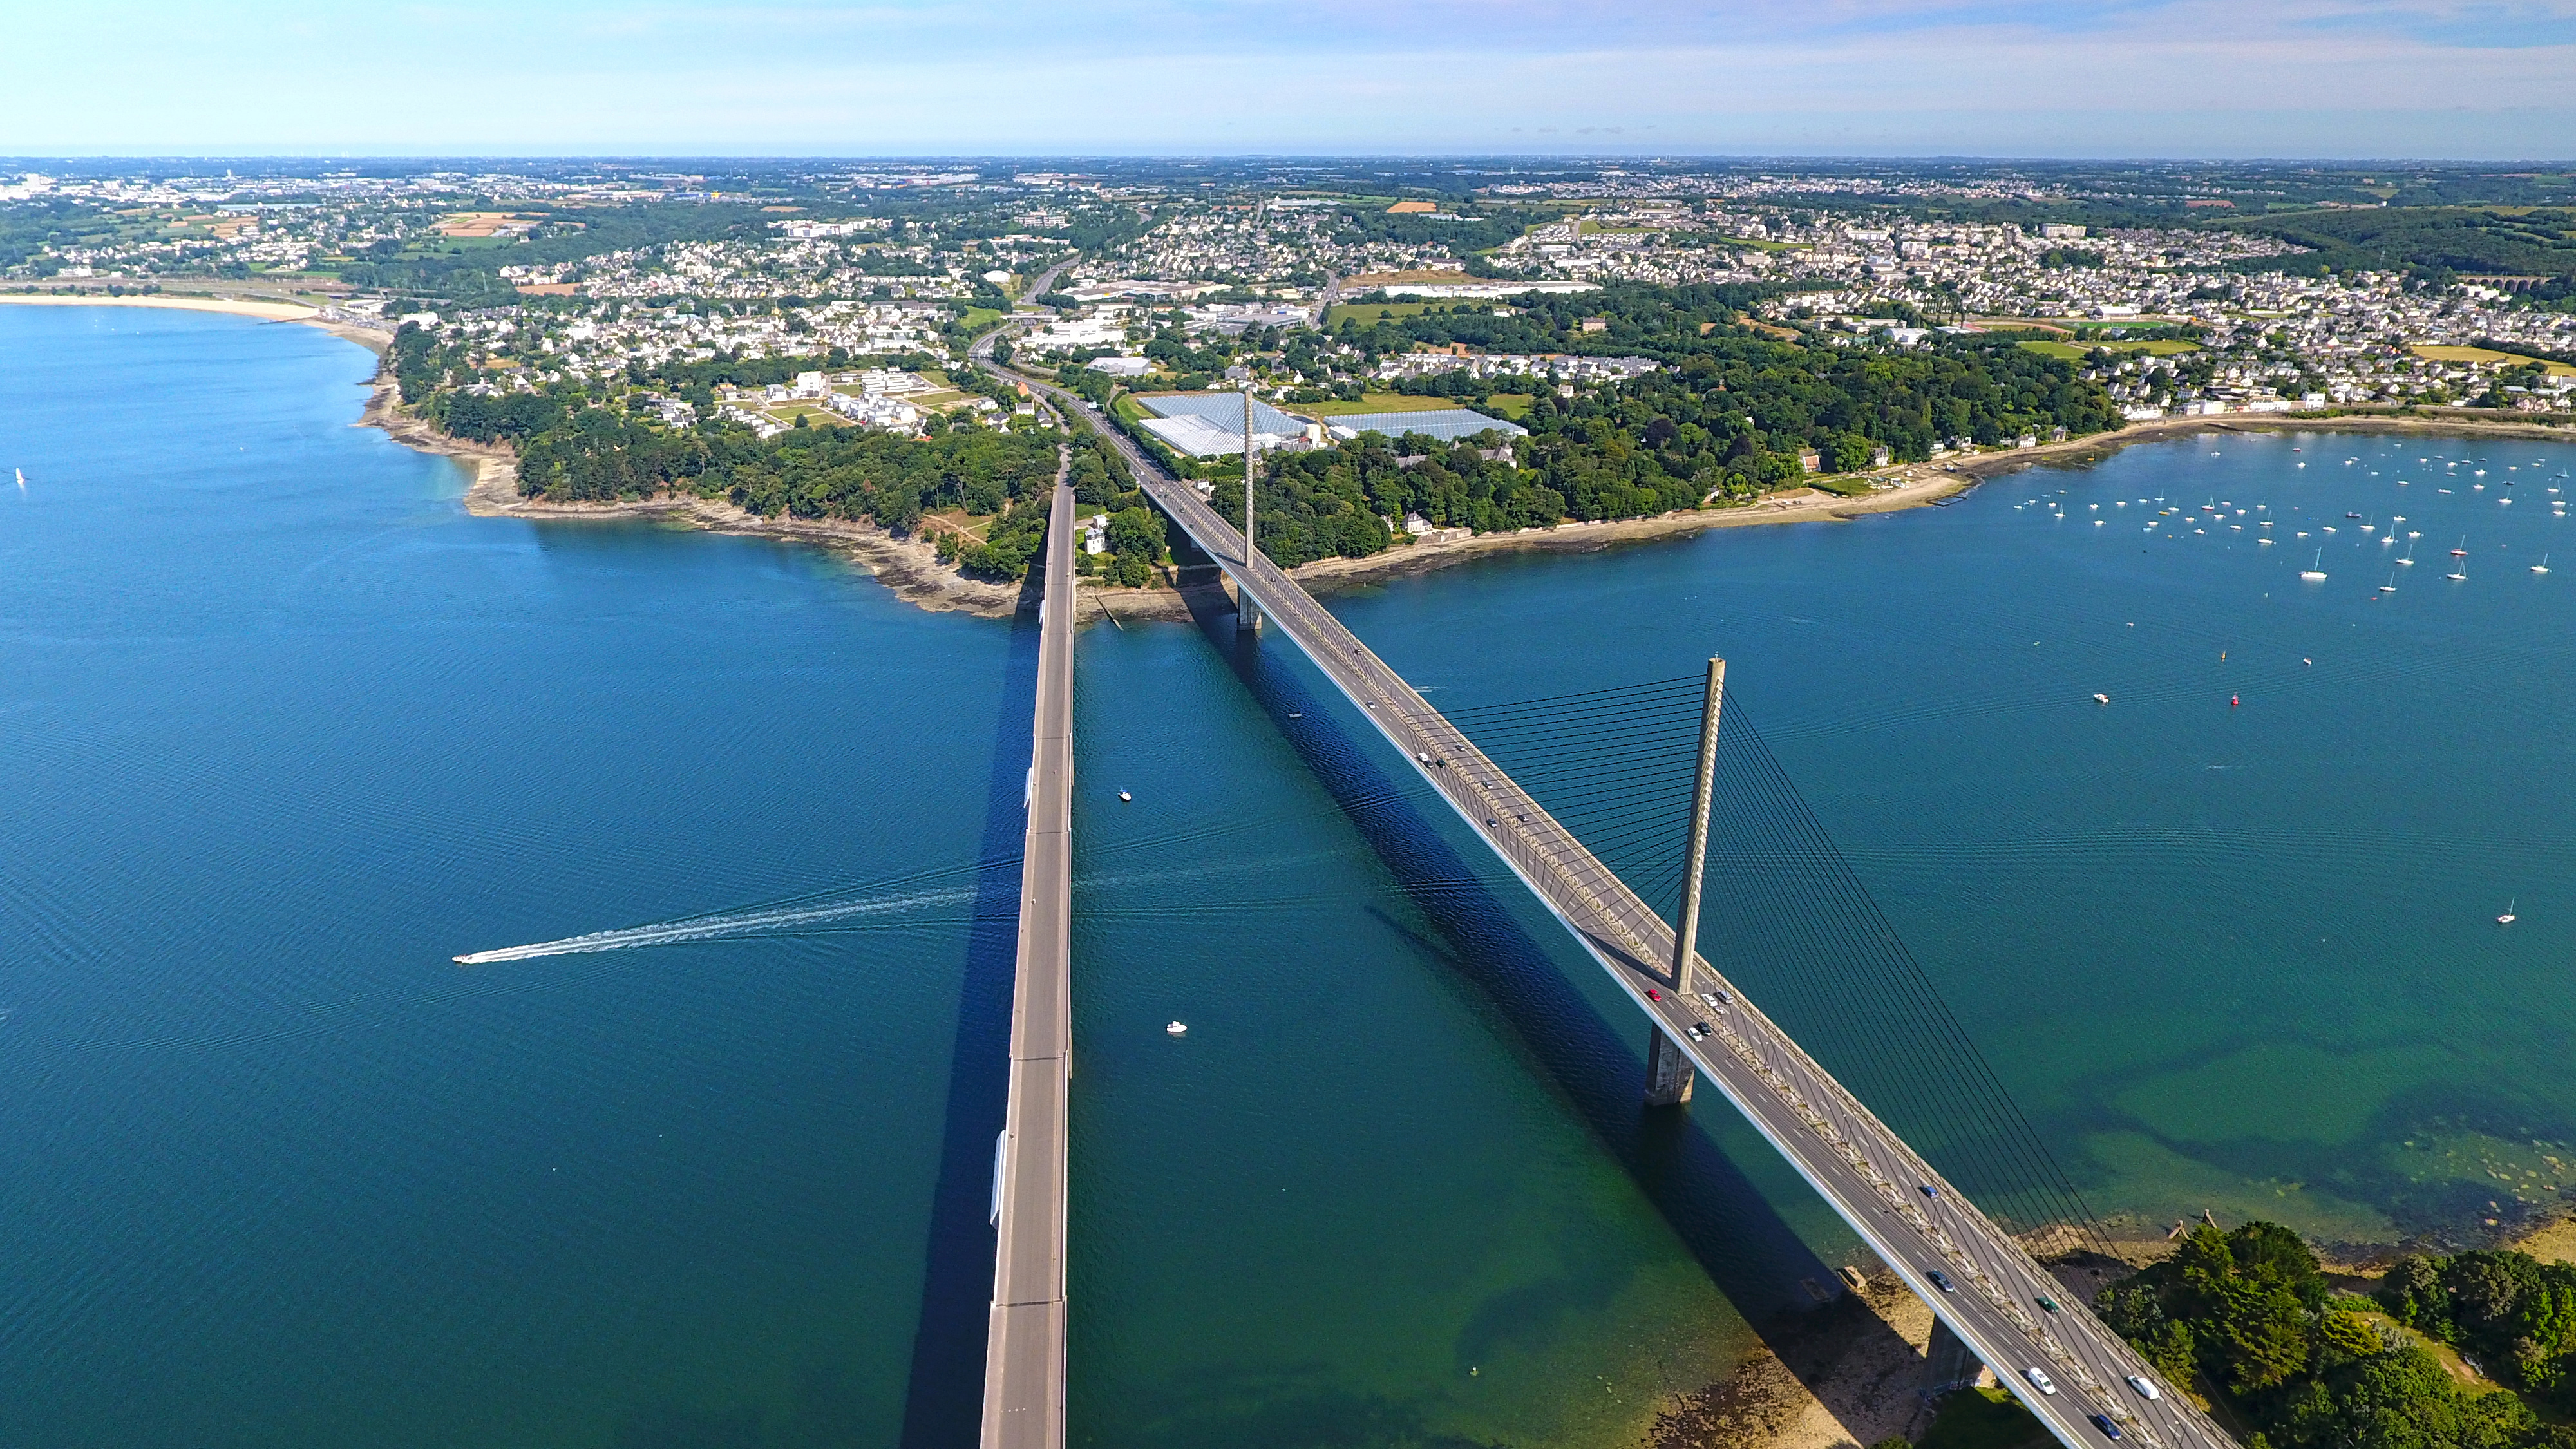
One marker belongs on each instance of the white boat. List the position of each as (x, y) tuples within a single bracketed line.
[(1123, 796), (2459, 575), (2409, 560), (2541, 567), (2317, 569), (1176, 1029), (2389, 587), (22, 478), (2101, 699), (2507, 918)]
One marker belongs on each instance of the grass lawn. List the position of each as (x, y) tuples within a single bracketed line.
[(1985, 1419), (1512, 405), (1127, 409), (1375, 402), (978, 318), (1369, 314), (2481, 354), (2072, 352)]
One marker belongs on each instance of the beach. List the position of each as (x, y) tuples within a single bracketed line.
[(374, 339)]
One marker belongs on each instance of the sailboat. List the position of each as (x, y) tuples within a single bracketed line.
[(2390, 587), (22, 478), (2541, 567), (2317, 569), (2507, 918), (2459, 575), (2463, 550), (2409, 560)]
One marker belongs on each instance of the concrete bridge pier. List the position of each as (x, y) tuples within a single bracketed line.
[(1668, 1072), (1247, 614), (1950, 1365)]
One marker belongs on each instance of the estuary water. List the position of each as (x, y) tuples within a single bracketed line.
[(282, 730)]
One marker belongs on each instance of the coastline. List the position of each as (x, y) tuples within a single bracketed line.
[(913, 570), (373, 339)]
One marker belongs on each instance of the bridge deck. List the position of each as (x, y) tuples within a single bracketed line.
[(1861, 1168), (1024, 1346)]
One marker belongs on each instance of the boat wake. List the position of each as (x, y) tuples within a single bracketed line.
[(792, 918)]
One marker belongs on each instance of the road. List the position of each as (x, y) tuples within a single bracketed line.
[(1024, 1344), (1862, 1169)]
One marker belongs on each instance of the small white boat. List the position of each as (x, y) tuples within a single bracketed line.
[(22, 478), (2389, 587), (2101, 699), (2507, 918), (2541, 567), (2315, 570), (2459, 575), (1123, 796), (1177, 1029)]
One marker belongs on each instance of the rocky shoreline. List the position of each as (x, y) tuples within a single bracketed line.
[(914, 572)]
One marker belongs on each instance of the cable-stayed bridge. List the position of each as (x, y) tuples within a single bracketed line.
[(2076, 1375)]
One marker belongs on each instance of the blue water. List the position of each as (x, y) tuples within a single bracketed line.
[(282, 730), (2230, 939)]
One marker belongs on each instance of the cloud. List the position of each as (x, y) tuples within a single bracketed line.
[(2123, 77)]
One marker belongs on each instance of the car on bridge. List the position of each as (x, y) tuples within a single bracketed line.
[(2103, 1423), (2039, 1379), (1940, 1280)]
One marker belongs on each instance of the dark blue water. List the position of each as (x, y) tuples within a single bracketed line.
[(281, 730)]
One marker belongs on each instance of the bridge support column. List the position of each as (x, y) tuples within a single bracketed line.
[(1949, 1364), (1695, 847), (1247, 614), (1668, 1073)]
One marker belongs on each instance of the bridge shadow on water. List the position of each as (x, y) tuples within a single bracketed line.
[(1750, 1252), (944, 1403)]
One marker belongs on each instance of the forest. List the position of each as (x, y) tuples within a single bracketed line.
[(1726, 424), (2248, 1319), (2430, 241)]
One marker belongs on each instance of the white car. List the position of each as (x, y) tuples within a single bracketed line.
[(2040, 1381), (2145, 1386)]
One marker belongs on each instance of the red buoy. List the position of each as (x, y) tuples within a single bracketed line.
[(2231, 701)]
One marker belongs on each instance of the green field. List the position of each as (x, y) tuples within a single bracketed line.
[(1376, 402), (1512, 405), (1369, 314), (2074, 353), (2432, 353), (978, 318)]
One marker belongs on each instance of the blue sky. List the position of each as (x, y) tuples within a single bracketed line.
[(2316, 78)]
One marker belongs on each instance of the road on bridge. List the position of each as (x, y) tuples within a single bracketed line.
[(1024, 1343), (1974, 1275)]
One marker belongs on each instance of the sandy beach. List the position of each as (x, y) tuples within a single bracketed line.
[(374, 339), (240, 307)]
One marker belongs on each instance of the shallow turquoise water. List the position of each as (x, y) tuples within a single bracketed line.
[(281, 730)]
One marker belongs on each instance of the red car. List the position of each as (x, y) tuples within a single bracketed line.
[(1653, 995)]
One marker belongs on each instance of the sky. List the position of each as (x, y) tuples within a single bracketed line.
[(2116, 78)]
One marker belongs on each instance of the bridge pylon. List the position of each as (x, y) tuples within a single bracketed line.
[(1247, 614), (1668, 1067)]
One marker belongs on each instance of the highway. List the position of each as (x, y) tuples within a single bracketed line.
[(1906, 1212), (1024, 1344)]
